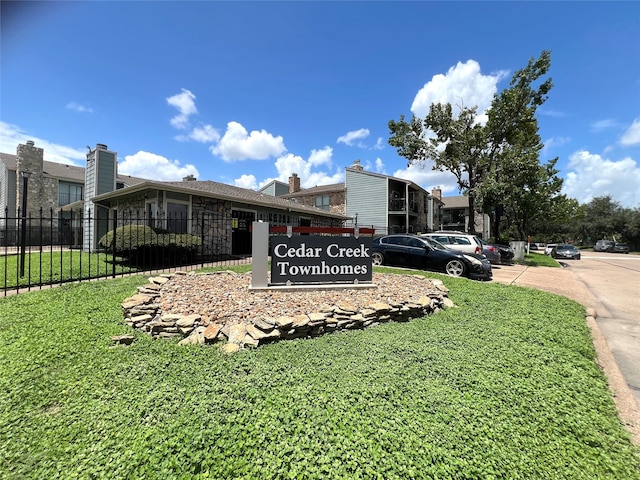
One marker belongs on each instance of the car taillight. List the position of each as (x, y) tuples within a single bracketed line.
[(478, 250)]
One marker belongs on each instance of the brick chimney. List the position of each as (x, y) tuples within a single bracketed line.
[(356, 166), (437, 193), (294, 183)]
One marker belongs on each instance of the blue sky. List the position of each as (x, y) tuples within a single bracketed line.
[(247, 92)]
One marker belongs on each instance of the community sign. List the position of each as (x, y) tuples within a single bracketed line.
[(320, 259)]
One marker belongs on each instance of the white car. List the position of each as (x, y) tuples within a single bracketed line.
[(549, 247), (460, 241)]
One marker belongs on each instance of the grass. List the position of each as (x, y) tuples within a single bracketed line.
[(504, 386), (47, 267), (539, 260)]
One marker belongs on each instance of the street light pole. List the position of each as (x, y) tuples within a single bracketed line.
[(23, 234)]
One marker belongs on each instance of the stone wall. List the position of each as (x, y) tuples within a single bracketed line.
[(143, 312)]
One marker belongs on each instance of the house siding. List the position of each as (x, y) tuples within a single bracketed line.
[(366, 197)]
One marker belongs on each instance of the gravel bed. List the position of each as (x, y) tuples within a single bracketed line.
[(224, 297)]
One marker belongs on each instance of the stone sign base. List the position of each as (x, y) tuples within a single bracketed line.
[(143, 312)]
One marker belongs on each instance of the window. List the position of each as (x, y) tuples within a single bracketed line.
[(322, 201), (177, 217), (151, 214), (415, 242), (441, 238), (69, 193), (460, 241)]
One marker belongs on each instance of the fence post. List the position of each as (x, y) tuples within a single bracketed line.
[(113, 244), (202, 242), (23, 239)]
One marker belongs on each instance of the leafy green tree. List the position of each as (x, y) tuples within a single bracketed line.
[(607, 219), (516, 181), (497, 165), (457, 147)]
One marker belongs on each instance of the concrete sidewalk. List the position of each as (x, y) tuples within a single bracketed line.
[(562, 281)]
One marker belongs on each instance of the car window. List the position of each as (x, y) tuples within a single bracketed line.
[(415, 242), (461, 241), (395, 240), (435, 244), (442, 239)]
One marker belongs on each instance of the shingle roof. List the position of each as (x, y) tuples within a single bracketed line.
[(458, 201), (222, 190), (334, 187), (64, 171), (213, 189)]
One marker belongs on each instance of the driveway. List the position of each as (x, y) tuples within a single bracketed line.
[(609, 284)]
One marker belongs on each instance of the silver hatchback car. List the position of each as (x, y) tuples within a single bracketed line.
[(460, 241)]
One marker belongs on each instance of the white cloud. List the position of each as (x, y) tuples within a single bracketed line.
[(555, 142), (551, 113), (12, 135), (355, 136), (155, 167), (247, 181), (185, 103), (430, 179), (592, 176), (237, 144), (289, 164), (380, 144), (377, 166), (463, 85), (77, 107), (632, 135), (201, 134), (601, 125)]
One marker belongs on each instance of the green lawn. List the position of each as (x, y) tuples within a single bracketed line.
[(46, 267), (540, 260), (504, 386)]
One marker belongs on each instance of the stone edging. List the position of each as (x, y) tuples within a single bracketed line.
[(143, 312)]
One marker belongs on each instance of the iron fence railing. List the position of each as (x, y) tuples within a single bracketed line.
[(47, 249), (52, 248)]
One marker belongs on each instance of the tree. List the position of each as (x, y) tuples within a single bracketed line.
[(516, 181), (496, 165), (457, 146)]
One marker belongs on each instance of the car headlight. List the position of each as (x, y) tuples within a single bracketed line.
[(473, 260)]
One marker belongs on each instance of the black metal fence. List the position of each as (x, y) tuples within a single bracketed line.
[(49, 248), (52, 248)]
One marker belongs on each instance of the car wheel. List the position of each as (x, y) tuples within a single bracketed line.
[(377, 258), (455, 268)]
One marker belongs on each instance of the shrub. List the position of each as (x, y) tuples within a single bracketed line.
[(143, 245), (129, 238)]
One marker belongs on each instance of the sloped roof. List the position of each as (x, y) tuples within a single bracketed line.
[(458, 201), (317, 190), (65, 171), (222, 191), (273, 182)]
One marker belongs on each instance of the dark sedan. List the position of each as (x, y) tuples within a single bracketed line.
[(619, 247), (565, 251), (506, 252), (418, 252)]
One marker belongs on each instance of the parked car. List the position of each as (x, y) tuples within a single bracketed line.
[(492, 252), (421, 252), (549, 248), (463, 242), (604, 246), (565, 251), (620, 247), (506, 252)]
